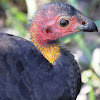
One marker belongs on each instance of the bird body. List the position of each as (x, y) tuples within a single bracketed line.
[(26, 75), (42, 70)]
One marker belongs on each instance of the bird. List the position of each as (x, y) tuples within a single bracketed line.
[(42, 69)]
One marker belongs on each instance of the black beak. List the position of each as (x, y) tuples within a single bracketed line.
[(89, 26)]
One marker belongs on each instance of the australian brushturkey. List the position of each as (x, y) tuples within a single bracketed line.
[(42, 70)]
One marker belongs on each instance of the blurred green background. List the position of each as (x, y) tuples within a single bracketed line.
[(16, 16)]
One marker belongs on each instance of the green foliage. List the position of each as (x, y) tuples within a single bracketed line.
[(15, 18)]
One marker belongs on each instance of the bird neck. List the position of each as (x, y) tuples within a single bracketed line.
[(50, 51)]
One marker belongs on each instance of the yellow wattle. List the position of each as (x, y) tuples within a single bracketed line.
[(50, 51)]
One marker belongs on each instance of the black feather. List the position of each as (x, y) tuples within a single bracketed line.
[(26, 75)]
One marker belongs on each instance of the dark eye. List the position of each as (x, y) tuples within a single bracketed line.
[(64, 22)]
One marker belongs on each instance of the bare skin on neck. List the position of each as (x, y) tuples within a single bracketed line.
[(50, 51)]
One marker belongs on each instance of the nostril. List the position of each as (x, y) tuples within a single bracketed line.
[(83, 23)]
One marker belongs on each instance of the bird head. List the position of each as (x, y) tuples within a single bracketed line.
[(56, 20)]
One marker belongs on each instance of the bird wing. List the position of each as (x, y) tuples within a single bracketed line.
[(14, 64)]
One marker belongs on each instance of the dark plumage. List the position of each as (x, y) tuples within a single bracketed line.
[(26, 74)]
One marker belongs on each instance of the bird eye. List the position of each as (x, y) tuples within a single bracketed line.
[(64, 22)]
